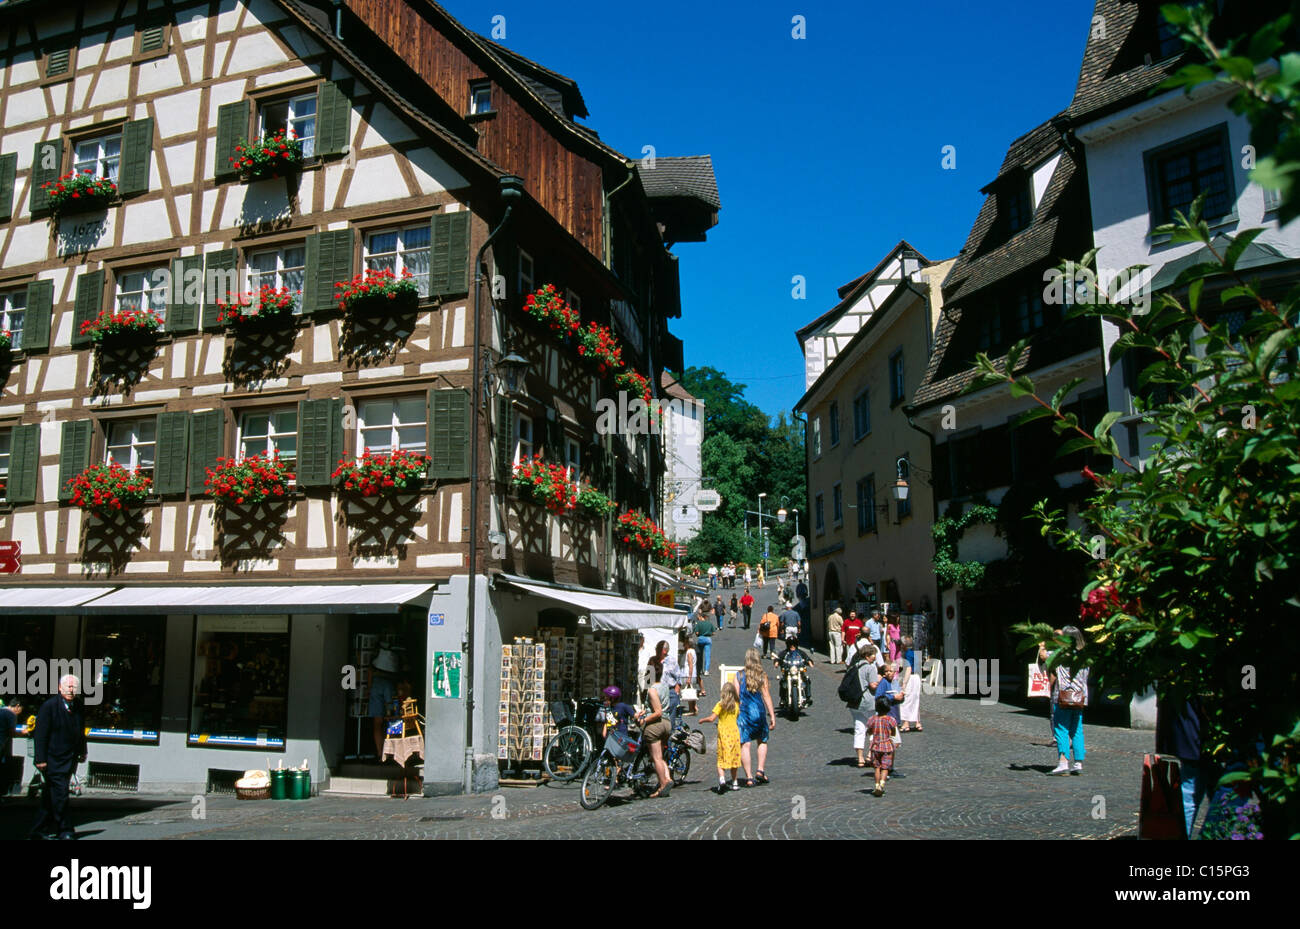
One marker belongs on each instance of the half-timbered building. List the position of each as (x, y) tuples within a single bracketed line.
[(426, 151)]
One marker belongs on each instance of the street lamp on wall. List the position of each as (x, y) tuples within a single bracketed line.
[(506, 377), (900, 486)]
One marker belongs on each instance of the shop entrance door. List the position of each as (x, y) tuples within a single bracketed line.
[(375, 643)]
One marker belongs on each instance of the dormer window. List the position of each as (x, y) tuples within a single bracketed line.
[(1017, 207), (480, 97), (296, 117)]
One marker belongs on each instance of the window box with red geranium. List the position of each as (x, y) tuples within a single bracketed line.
[(6, 341), (371, 475), (547, 484), (598, 345), (273, 155), (117, 327), (104, 489), (254, 479), (593, 503), (547, 306), (268, 306), (79, 192), (638, 532), (378, 291)]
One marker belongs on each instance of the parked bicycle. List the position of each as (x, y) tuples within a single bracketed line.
[(572, 748), (625, 762)]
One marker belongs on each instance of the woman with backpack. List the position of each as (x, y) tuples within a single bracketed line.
[(860, 681)]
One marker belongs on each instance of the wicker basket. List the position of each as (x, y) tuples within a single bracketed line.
[(253, 793)]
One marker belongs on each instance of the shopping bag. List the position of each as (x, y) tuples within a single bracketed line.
[(1039, 683), (1160, 813)]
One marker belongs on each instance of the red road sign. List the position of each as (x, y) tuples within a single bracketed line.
[(11, 557)]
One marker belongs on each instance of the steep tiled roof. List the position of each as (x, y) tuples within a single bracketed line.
[(1114, 72), (547, 84), (687, 176), (851, 291)]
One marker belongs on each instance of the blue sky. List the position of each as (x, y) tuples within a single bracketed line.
[(827, 149)]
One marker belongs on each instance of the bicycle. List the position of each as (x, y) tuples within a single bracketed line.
[(571, 749), (609, 772)]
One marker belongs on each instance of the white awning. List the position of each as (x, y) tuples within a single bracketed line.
[(30, 601), (605, 610), (250, 598)]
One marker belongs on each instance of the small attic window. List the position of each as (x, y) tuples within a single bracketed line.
[(1017, 206), (58, 64), (480, 97)]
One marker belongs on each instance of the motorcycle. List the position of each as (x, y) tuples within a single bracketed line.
[(793, 689)]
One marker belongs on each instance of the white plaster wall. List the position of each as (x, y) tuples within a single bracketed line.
[(432, 174), (1043, 176)]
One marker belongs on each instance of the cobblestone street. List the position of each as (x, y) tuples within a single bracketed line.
[(976, 772)]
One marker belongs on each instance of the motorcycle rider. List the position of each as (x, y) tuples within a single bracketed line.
[(795, 661)]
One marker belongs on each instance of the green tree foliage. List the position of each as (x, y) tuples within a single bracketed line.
[(1194, 587), (744, 454)]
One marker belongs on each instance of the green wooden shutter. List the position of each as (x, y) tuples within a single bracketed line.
[(320, 440), (232, 125), (24, 464), (449, 428), (207, 432), (505, 433), (185, 297), (58, 62), (74, 454), (217, 281), (40, 311), (171, 456), (333, 118), (137, 157), (90, 300), (152, 38), (47, 162), (329, 260), (449, 253), (8, 172)]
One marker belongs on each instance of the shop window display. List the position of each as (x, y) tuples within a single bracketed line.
[(130, 699), (24, 640), (241, 681)]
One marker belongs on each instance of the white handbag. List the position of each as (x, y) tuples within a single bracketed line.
[(690, 693)]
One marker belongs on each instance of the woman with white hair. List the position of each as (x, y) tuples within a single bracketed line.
[(863, 664)]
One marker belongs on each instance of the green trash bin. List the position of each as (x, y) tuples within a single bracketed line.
[(279, 785), (299, 785)]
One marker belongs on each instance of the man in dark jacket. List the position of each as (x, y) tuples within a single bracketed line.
[(60, 746), (9, 716)]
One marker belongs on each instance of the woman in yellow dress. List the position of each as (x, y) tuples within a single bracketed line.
[(725, 713)]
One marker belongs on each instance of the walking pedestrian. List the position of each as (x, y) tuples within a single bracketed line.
[(704, 629), (875, 631), (835, 634), (852, 630), (893, 636), (1069, 698), (713, 576), (770, 629), (910, 710), (720, 609), (725, 712), (1180, 725), (791, 622), (762, 580), (9, 716), (733, 612), (747, 605), (757, 718), (60, 745), (863, 664), (689, 670), (749, 577), (882, 727), (655, 731)]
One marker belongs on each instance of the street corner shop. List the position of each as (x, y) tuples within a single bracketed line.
[(203, 682)]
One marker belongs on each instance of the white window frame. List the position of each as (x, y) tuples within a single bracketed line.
[(271, 441), (276, 277), (13, 304), (573, 458), (817, 436), (292, 117), (395, 425), (135, 444), (154, 281), (527, 281), (480, 97), (6, 452), (524, 444), (399, 255), (102, 163)]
